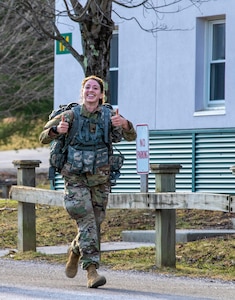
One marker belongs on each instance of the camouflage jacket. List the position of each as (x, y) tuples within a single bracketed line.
[(90, 161), (117, 133)]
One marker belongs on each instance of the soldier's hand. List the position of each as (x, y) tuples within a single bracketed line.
[(118, 120), (63, 126)]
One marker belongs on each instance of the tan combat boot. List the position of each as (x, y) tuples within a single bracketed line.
[(72, 264), (94, 279)]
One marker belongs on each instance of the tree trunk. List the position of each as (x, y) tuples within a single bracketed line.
[(96, 49), (96, 33)]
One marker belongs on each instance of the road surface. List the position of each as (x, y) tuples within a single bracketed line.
[(7, 157), (22, 280)]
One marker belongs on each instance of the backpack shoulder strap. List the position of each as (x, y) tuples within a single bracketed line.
[(106, 112), (73, 128)]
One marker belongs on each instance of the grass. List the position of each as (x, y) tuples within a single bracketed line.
[(29, 141), (211, 258)]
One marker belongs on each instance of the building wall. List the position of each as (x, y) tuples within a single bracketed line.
[(157, 72), (159, 75), (177, 88), (68, 73), (137, 69)]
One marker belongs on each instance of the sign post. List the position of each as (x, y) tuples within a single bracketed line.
[(142, 155)]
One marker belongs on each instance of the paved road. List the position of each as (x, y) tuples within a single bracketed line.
[(6, 158), (29, 280)]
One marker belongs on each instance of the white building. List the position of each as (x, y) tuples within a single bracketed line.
[(181, 83)]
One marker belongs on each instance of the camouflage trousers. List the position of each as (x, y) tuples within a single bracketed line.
[(86, 200)]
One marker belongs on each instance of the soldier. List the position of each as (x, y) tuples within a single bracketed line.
[(87, 172)]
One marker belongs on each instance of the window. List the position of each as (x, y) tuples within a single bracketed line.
[(216, 63), (210, 66), (114, 69)]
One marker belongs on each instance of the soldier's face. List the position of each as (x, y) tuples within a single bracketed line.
[(92, 92)]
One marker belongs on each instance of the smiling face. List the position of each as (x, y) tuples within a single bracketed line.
[(92, 92)]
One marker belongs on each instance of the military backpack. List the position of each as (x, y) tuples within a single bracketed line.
[(59, 146)]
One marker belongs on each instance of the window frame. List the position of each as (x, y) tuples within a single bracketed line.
[(115, 68), (218, 103)]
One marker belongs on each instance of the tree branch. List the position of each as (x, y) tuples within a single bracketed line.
[(80, 12), (132, 5)]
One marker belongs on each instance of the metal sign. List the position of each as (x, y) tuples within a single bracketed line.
[(142, 149), (60, 48)]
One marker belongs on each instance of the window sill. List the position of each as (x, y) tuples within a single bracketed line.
[(212, 112)]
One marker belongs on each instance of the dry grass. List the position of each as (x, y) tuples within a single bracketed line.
[(28, 141)]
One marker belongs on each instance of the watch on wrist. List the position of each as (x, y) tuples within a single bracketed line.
[(54, 129)]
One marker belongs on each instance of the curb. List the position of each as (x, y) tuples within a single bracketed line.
[(182, 235)]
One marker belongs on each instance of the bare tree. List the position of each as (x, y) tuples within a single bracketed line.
[(94, 18), (26, 72), (26, 65)]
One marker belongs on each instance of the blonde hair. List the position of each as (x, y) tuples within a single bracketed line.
[(100, 82)]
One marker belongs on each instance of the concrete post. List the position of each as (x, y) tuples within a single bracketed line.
[(165, 221), (26, 211)]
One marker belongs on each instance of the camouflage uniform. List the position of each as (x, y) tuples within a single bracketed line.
[(86, 194)]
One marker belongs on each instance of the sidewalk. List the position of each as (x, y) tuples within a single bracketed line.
[(105, 247)]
